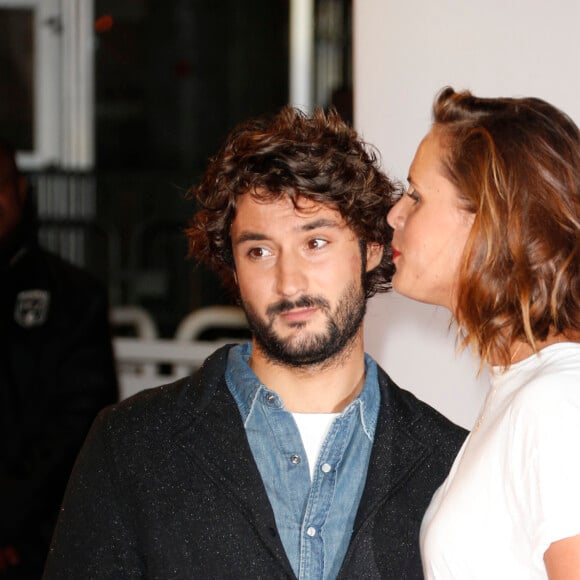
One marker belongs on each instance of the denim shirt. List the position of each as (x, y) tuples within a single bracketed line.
[(314, 518)]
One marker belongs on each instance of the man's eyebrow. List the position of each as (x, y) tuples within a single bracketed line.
[(320, 223), (249, 237), (308, 226)]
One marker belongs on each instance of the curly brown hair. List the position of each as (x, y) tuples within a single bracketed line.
[(516, 163), (318, 158)]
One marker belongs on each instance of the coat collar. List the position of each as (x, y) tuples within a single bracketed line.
[(211, 432)]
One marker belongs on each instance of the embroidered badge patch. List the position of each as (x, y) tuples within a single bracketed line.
[(31, 308)]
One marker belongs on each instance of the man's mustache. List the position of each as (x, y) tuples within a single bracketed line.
[(302, 302)]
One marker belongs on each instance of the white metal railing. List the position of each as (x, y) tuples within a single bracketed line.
[(147, 361), (198, 321), (141, 361)]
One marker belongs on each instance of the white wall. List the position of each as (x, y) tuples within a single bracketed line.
[(404, 53)]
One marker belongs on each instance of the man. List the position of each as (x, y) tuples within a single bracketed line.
[(56, 373), (290, 456)]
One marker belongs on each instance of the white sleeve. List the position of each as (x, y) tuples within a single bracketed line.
[(543, 461)]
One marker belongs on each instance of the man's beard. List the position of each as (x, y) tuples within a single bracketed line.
[(342, 326)]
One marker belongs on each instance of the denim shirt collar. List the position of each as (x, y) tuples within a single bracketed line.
[(246, 387)]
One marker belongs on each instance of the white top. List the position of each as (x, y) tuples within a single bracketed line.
[(515, 485), (313, 429)]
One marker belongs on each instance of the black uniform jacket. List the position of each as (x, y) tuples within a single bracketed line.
[(166, 487), (56, 373)]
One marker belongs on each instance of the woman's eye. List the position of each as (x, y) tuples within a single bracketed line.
[(413, 195), (316, 244)]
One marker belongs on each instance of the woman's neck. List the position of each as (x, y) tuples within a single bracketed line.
[(521, 350)]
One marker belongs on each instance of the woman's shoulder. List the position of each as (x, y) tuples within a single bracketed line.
[(549, 394), (555, 369)]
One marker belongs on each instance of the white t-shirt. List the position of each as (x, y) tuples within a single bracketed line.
[(515, 485), (313, 429)]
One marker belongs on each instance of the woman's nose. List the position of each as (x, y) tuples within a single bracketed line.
[(396, 216)]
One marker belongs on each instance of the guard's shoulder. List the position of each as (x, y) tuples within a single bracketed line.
[(68, 274)]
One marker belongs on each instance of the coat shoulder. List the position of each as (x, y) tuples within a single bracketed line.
[(161, 410), (420, 419)]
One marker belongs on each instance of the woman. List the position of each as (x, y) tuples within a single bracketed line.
[(489, 228)]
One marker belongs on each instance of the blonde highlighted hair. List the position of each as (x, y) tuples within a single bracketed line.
[(516, 163)]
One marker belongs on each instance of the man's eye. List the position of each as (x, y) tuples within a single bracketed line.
[(259, 253), (317, 243)]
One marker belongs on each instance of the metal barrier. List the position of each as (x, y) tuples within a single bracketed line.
[(134, 355), (147, 361)]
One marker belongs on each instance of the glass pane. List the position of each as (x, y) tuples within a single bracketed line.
[(17, 77)]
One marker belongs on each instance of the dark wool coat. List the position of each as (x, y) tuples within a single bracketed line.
[(166, 487)]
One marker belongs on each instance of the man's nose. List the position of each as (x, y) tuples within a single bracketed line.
[(291, 278)]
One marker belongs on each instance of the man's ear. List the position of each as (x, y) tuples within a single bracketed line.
[(374, 255)]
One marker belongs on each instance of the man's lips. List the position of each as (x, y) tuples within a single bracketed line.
[(298, 314)]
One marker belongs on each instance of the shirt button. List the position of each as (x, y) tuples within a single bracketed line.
[(311, 531), (295, 459), (270, 398), (325, 468)]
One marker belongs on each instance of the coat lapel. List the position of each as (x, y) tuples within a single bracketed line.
[(395, 453), (213, 436)]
